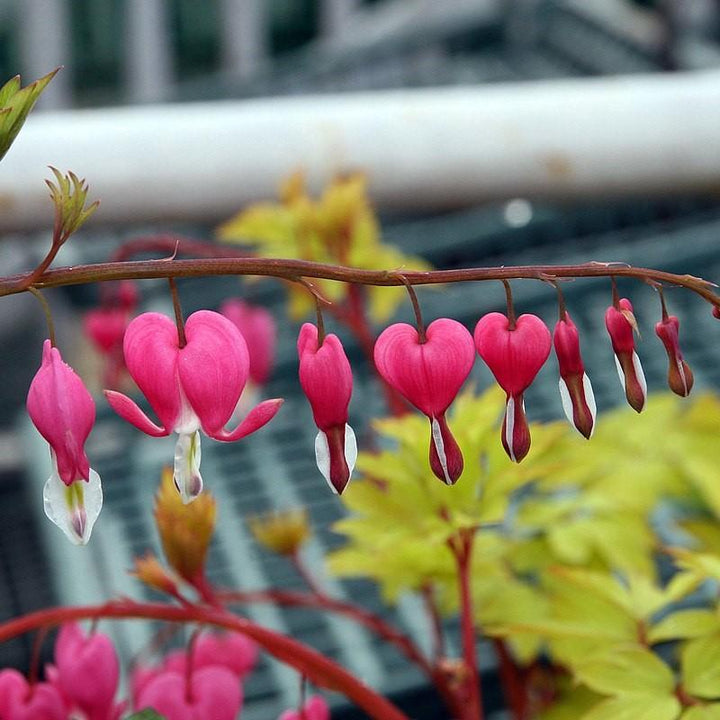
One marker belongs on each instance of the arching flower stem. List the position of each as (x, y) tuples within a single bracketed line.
[(179, 321), (48, 314), (320, 670), (510, 306)]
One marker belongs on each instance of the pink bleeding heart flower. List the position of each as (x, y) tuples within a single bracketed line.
[(680, 377), (578, 399), (620, 323), (429, 374), (234, 651), (209, 692), (192, 387), (20, 701), (63, 411), (326, 380), (514, 355), (257, 326), (87, 671), (316, 708)]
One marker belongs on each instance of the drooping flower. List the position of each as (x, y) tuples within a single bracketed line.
[(87, 671), (680, 377), (326, 380), (63, 411), (429, 374), (620, 323), (257, 326), (192, 387), (578, 399), (514, 353), (20, 701), (316, 708), (213, 692)]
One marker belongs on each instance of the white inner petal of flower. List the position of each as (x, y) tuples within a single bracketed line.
[(186, 470), (639, 373), (322, 454), (510, 426), (74, 508), (439, 443), (187, 421), (620, 372), (589, 400)]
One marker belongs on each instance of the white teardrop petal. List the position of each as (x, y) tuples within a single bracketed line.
[(186, 469), (510, 426), (322, 457), (639, 373), (590, 400), (439, 443), (74, 508), (566, 402), (620, 372)]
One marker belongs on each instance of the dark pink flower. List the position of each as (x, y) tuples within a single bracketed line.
[(429, 374), (515, 356), (326, 380), (257, 326), (190, 388), (63, 411), (316, 708), (620, 323), (20, 701), (214, 692), (680, 377), (576, 391), (87, 671)]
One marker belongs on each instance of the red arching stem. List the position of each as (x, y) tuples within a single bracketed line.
[(512, 681), (322, 671), (461, 546), (293, 269)]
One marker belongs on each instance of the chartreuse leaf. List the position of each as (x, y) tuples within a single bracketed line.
[(684, 624), (16, 104), (702, 712), (626, 669), (147, 714), (700, 661), (635, 707), (574, 701)]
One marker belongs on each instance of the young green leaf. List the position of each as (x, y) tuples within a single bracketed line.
[(69, 196), (15, 104)]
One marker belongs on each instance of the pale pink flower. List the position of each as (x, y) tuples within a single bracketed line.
[(316, 708)]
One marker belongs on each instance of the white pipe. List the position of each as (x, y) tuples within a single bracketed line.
[(421, 149)]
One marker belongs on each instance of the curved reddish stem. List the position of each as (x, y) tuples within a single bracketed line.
[(320, 670)]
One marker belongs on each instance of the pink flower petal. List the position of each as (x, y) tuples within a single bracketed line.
[(254, 420), (257, 326), (129, 411), (63, 411), (151, 355)]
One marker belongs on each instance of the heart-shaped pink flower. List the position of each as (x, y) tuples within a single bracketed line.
[(18, 701), (514, 355), (429, 374), (214, 692), (316, 708)]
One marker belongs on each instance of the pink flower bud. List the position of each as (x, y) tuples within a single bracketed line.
[(257, 326), (429, 374), (620, 323), (87, 670), (234, 651), (63, 411), (680, 377), (193, 387), (576, 391), (316, 708), (214, 692), (514, 356), (20, 701), (326, 380)]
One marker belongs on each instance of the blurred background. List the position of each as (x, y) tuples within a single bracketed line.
[(492, 132)]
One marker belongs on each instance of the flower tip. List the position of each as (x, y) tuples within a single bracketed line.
[(515, 430), (73, 508), (335, 455), (446, 458)]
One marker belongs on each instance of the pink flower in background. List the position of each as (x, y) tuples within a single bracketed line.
[(63, 411), (87, 672), (213, 692), (578, 399), (429, 374), (316, 708), (514, 356), (620, 323), (18, 701), (680, 377), (257, 326), (326, 380), (193, 387)]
